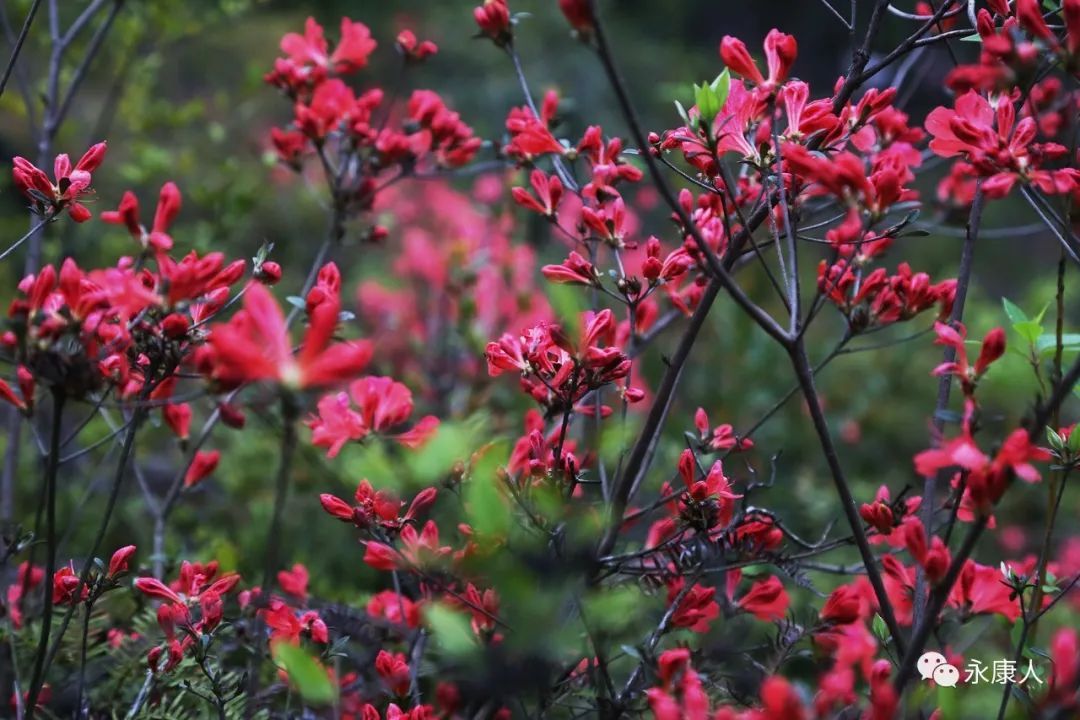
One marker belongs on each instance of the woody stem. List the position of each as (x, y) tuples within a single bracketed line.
[(805, 374), (930, 484), (110, 507), (1053, 492), (52, 465)]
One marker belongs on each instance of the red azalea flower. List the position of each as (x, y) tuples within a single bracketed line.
[(50, 197), (766, 599), (548, 190), (997, 147), (350, 55), (698, 607), (255, 345), (780, 52), (157, 236), (294, 582), (394, 671)]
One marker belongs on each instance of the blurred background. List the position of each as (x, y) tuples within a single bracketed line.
[(178, 93)]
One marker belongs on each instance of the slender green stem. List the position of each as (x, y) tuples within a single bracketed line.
[(51, 466), (110, 507)]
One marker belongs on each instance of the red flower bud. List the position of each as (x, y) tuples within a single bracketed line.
[(493, 19), (380, 557), (27, 383), (152, 587), (842, 606), (423, 500), (269, 273), (202, 465), (178, 418), (119, 561), (937, 560), (993, 347), (878, 515), (231, 415), (579, 13), (336, 507), (735, 55), (175, 326), (92, 157)]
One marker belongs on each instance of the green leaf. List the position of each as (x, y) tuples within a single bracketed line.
[(682, 113), (451, 443), (1030, 330), (706, 101), (305, 673), (881, 630), (710, 97), (1022, 697), (721, 86), (450, 628), (1046, 344), (568, 304), (1074, 436), (947, 703), (1054, 439), (488, 510), (973, 37), (1016, 315), (1042, 313)]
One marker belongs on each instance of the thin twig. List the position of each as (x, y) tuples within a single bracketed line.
[(52, 465), (19, 45), (930, 483)]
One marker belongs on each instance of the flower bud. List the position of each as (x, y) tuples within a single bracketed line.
[(175, 326), (269, 273)]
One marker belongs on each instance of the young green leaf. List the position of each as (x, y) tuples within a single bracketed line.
[(487, 507), (721, 87), (682, 112), (881, 630), (1015, 314), (305, 673), (1074, 441), (1030, 330), (450, 628)]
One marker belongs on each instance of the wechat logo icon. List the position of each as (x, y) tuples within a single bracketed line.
[(934, 666)]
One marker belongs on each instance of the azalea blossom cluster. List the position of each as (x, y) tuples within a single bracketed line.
[(364, 135), (127, 328), (558, 372)]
